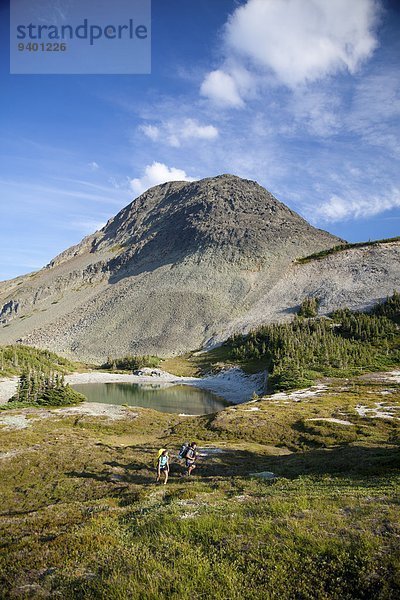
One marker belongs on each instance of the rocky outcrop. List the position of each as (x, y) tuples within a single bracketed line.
[(8, 310), (179, 268)]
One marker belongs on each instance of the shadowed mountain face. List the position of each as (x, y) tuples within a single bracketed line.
[(177, 267), (232, 219)]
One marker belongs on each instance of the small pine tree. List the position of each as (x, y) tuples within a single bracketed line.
[(15, 357), (45, 389), (309, 307), (23, 388)]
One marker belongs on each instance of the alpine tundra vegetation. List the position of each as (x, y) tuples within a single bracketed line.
[(81, 516)]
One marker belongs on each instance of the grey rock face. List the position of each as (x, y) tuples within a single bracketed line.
[(179, 266), (8, 310)]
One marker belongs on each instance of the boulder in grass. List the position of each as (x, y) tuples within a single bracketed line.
[(264, 475)]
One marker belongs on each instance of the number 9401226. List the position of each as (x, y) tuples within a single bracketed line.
[(42, 47)]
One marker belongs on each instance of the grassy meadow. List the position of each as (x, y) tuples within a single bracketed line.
[(82, 517)]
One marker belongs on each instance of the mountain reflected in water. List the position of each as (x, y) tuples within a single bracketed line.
[(170, 399)]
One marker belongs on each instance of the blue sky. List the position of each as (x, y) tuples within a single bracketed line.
[(301, 95)]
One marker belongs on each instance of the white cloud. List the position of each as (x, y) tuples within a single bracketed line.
[(151, 131), (86, 226), (191, 129), (377, 97), (338, 209), (177, 132), (155, 174), (222, 88), (317, 110), (93, 166), (48, 193), (375, 110), (297, 41)]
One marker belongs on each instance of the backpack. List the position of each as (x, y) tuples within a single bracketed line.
[(184, 450), (161, 450), (190, 454)]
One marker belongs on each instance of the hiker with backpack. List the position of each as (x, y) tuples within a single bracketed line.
[(188, 452), (162, 465)]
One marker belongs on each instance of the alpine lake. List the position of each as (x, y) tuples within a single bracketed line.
[(178, 399)]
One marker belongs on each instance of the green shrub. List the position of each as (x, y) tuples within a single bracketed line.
[(309, 307), (131, 363), (60, 397), (289, 380)]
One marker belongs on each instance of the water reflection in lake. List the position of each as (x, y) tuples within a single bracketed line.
[(171, 399)]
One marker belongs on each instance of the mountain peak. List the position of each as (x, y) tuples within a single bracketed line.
[(171, 270), (228, 215)]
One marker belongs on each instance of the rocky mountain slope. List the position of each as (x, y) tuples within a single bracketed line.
[(180, 267)]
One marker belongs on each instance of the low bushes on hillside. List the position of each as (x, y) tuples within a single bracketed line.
[(16, 359), (131, 363), (345, 246), (346, 343)]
